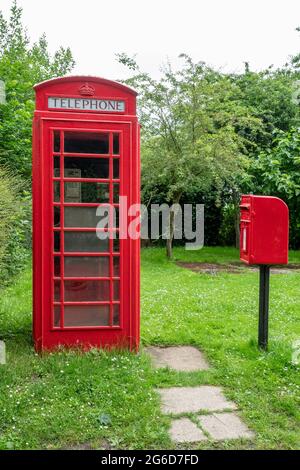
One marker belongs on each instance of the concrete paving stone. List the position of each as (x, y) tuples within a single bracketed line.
[(181, 358), (184, 430), (221, 426), (178, 400)]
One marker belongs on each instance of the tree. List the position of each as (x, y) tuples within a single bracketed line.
[(190, 140), (276, 172), (21, 66)]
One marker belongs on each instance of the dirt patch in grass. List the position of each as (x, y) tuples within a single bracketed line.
[(234, 268)]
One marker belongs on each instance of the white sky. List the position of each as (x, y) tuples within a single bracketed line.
[(223, 33)]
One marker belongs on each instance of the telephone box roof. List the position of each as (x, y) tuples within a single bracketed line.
[(85, 78)]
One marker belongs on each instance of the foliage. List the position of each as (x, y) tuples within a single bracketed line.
[(17, 251), (276, 171), (8, 186), (21, 66), (191, 139), (205, 134), (15, 225)]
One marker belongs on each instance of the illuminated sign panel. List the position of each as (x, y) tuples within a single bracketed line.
[(86, 104)]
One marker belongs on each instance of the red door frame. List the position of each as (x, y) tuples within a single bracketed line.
[(45, 335)]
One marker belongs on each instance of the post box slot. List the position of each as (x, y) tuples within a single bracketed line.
[(245, 206)]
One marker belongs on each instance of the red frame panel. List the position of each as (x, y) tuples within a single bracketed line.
[(46, 335)]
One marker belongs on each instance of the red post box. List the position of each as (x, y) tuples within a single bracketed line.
[(264, 230), (85, 157), (264, 240)]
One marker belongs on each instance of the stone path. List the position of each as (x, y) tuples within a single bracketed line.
[(213, 413), (181, 358)]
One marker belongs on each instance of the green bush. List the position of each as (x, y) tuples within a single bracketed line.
[(15, 225)]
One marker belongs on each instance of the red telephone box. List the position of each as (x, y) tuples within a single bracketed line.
[(264, 230), (85, 157)]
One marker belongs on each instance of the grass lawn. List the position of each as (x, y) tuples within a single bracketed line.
[(102, 399)]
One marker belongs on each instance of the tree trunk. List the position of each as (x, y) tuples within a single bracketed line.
[(169, 244)]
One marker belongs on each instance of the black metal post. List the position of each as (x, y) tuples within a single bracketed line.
[(264, 285)]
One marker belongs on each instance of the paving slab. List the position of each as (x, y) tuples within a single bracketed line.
[(178, 400), (181, 358), (184, 430), (221, 426)]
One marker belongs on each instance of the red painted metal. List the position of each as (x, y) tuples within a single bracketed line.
[(51, 288), (264, 230)]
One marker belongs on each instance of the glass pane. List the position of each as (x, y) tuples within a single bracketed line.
[(56, 291), (86, 192), (83, 217), (56, 141), (116, 217), (85, 241), (116, 266), (56, 314), (76, 167), (83, 291), (56, 241), (116, 193), (116, 243), (116, 172), (87, 315), (116, 314), (86, 266), (116, 290), (56, 167), (57, 266), (86, 142), (116, 146), (56, 216), (56, 190)]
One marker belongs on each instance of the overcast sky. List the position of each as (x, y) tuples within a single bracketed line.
[(223, 33)]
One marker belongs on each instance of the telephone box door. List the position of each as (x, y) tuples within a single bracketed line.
[(86, 170)]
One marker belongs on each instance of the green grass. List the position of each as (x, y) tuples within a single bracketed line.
[(108, 398)]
